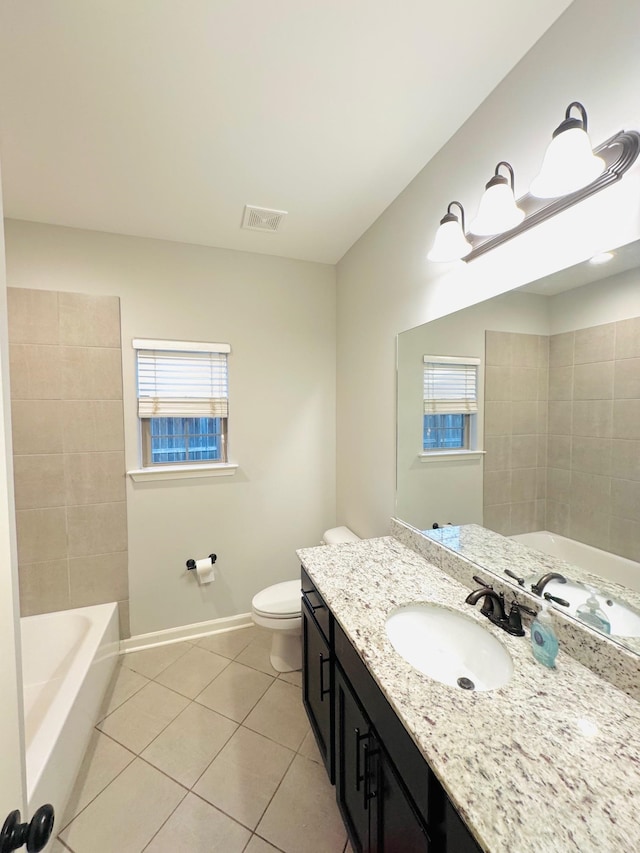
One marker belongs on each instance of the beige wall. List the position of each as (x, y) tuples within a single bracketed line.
[(68, 446), (279, 317), (385, 283)]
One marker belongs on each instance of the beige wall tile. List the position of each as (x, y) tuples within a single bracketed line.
[(594, 418), (123, 617), (559, 451), (589, 491), (524, 517), (524, 349), (91, 373), (523, 485), (561, 349), (543, 351), (524, 382), (498, 452), (32, 316), (628, 338), (625, 498), (625, 459), (558, 484), (591, 455), (541, 483), (498, 518), (497, 418), (97, 529), (589, 525), (543, 417), (627, 378), (543, 441), (626, 419), (524, 417), (36, 372), (89, 321), (98, 579), (42, 534), (524, 451), (497, 383), (593, 381), (44, 587), (92, 425), (543, 383), (595, 344), (36, 426), (39, 481), (498, 348), (560, 383), (497, 487), (92, 478), (624, 537), (560, 413), (557, 518)]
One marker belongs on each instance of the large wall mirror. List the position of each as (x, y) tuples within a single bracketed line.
[(555, 442)]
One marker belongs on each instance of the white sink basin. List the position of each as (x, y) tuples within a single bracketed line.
[(449, 647)]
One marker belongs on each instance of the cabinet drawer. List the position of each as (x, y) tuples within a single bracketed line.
[(409, 763), (312, 598)]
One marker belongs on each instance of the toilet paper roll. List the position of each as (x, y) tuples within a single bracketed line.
[(205, 570)]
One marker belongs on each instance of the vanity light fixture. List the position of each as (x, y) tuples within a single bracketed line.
[(569, 162), (450, 243), (579, 173), (498, 210)]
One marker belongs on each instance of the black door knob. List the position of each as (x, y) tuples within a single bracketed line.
[(34, 834)]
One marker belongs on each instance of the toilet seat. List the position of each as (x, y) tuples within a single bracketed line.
[(280, 601)]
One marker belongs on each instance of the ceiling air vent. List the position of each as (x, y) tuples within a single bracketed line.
[(262, 219)]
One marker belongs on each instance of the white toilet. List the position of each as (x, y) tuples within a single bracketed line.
[(278, 608)]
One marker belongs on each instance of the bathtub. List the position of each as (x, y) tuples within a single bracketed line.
[(68, 659), (617, 579)]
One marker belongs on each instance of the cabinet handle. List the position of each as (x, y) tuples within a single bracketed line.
[(359, 776), (368, 794), (323, 690), (312, 607)]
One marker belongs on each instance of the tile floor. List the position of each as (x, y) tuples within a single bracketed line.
[(203, 748)]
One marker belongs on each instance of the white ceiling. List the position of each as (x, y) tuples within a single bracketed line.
[(163, 118)]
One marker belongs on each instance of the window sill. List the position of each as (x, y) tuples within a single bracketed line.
[(183, 472), (450, 455)]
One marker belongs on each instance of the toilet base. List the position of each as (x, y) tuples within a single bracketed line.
[(286, 651)]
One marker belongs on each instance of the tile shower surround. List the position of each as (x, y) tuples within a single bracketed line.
[(68, 450), (566, 457)]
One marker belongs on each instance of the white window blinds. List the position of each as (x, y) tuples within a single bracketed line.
[(450, 385), (180, 379)]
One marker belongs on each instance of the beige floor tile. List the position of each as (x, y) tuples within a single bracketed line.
[(127, 814), (257, 655), (151, 662), (228, 643), (235, 691), (259, 845), (198, 827), (244, 776), (124, 685), (292, 678), (303, 816), (309, 748), (279, 715), (191, 673), (140, 719), (190, 743), (103, 761), (57, 847)]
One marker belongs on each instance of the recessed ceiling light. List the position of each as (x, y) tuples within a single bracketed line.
[(601, 258)]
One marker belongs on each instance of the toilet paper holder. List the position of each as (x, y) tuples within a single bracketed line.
[(191, 563)]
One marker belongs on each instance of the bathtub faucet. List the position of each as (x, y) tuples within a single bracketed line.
[(538, 588)]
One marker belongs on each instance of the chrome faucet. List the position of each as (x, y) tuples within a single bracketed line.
[(538, 588)]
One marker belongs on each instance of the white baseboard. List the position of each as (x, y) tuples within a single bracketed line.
[(185, 632)]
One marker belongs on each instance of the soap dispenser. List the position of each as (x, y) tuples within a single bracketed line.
[(544, 643), (591, 614)]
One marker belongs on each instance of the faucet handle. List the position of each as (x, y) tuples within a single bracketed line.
[(561, 601), (482, 583), (514, 621)]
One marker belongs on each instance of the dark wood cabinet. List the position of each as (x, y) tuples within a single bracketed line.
[(390, 799)]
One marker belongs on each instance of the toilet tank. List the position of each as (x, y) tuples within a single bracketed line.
[(339, 534)]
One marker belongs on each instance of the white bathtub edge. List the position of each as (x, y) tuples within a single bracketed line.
[(185, 632)]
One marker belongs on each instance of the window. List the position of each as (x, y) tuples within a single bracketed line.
[(183, 401), (450, 402)]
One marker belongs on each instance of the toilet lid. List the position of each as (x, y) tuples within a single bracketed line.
[(281, 599)]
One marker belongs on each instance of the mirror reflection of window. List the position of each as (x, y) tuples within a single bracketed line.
[(450, 402)]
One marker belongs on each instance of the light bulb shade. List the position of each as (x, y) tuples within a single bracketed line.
[(569, 164), (450, 244), (498, 211)]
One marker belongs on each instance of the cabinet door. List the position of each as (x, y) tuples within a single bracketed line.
[(317, 687), (459, 839), (398, 829), (354, 766)]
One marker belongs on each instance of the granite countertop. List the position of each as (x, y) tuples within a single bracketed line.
[(549, 763)]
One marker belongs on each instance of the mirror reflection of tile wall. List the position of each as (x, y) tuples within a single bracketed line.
[(68, 446), (587, 429)]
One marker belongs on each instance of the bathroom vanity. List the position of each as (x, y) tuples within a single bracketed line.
[(548, 763)]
